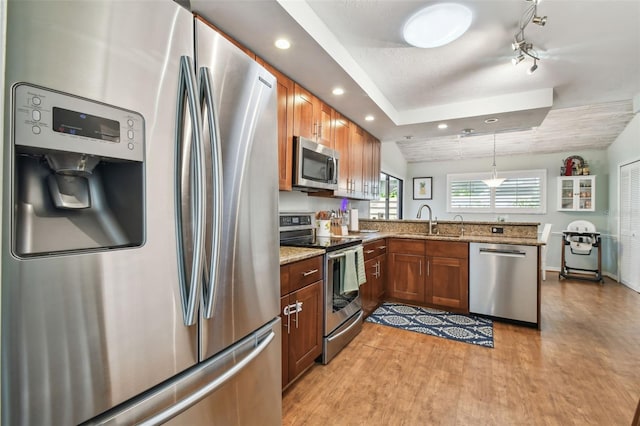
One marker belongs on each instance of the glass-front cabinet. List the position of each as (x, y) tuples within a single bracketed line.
[(577, 193)]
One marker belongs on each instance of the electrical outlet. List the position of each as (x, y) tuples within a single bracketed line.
[(497, 230)]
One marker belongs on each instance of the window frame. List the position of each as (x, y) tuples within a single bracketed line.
[(400, 195), (512, 174)]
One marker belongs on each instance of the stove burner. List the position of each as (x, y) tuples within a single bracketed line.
[(328, 243)]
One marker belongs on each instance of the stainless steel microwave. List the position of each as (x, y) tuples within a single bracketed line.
[(315, 166)]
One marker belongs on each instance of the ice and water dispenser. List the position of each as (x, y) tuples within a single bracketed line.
[(78, 174)]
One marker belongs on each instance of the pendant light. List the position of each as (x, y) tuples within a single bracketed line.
[(494, 182)]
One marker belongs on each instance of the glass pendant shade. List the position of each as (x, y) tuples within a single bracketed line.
[(495, 181)]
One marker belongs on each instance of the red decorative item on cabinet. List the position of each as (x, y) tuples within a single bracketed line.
[(568, 166)]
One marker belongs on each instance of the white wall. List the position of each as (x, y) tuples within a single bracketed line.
[(392, 161), (598, 164), (297, 201), (625, 149)]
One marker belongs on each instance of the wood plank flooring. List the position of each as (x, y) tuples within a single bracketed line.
[(581, 368)]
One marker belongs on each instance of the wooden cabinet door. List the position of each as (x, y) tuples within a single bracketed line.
[(375, 168), (406, 277), (367, 296), (448, 282), (325, 121), (284, 301), (305, 338), (341, 136), (285, 95), (304, 113), (378, 288), (356, 161)]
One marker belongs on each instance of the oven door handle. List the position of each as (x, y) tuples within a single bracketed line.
[(346, 330), (342, 254)]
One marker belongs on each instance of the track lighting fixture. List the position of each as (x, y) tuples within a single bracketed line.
[(520, 44), (539, 20), (517, 59)]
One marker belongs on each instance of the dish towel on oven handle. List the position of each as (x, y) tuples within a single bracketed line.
[(362, 276), (350, 275)]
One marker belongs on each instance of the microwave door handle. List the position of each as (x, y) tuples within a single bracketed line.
[(331, 167), (191, 197), (214, 144)]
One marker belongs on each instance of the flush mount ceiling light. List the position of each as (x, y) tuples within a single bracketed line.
[(369, 118), (338, 91), (282, 43), (437, 25), (442, 126), (495, 181), (520, 44)]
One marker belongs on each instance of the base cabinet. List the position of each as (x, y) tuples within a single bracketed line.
[(448, 274), (433, 273), (375, 265), (407, 270), (301, 314)]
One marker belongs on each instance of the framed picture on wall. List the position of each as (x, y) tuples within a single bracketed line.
[(422, 187)]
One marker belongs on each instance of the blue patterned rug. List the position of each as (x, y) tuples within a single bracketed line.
[(463, 328)]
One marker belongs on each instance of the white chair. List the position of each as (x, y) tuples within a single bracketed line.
[(544, 237)]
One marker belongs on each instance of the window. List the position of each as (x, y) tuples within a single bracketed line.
[(522, 192), (389, 202)]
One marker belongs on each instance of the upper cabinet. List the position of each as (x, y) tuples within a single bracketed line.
[(341, 134), (285, 126), (312, 118), (371, 170), (300, 113), (577, 193)]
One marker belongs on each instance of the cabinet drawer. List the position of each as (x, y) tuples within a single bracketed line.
[(374, 249), (453, 249), (305, 272), (406, 246)]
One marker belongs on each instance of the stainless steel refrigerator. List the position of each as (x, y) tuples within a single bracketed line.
[(140, 273)]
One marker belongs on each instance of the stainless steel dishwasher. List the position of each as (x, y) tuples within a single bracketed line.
[(503, 281)]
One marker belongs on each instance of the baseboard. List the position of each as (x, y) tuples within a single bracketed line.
[(604, 273)]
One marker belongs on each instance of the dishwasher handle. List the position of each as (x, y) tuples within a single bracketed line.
[(502, 252)]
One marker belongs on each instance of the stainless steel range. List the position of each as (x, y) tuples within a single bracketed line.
[(342, 308)]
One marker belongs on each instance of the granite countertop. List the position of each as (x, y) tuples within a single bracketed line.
[(369, 237), (293, 254)]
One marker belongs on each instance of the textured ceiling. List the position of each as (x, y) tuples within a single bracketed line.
[(590, 60)]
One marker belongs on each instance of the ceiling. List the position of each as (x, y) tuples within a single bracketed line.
[(579, 97)]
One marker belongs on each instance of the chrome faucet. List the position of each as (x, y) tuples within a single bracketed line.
[(461, 224), (419, 215)]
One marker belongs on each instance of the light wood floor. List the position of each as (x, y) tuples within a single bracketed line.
[(582, 368)]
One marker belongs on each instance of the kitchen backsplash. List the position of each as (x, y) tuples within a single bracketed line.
[(296, 201)]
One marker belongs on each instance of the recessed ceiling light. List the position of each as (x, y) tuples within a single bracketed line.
[(369, 118), (491, 120), (282, 43), (442, 126), (437, 25), (338, 91)]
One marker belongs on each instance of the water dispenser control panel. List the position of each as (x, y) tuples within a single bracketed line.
[(45, 118)]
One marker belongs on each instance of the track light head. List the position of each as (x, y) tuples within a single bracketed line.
[(517, 45), (533, 68), (516, 60), (540, 20)]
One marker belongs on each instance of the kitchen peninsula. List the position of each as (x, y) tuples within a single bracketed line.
[(434, 269)]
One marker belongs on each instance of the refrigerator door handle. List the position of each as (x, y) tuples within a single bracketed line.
[(206, 102), (187, 99), (203, 392)]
